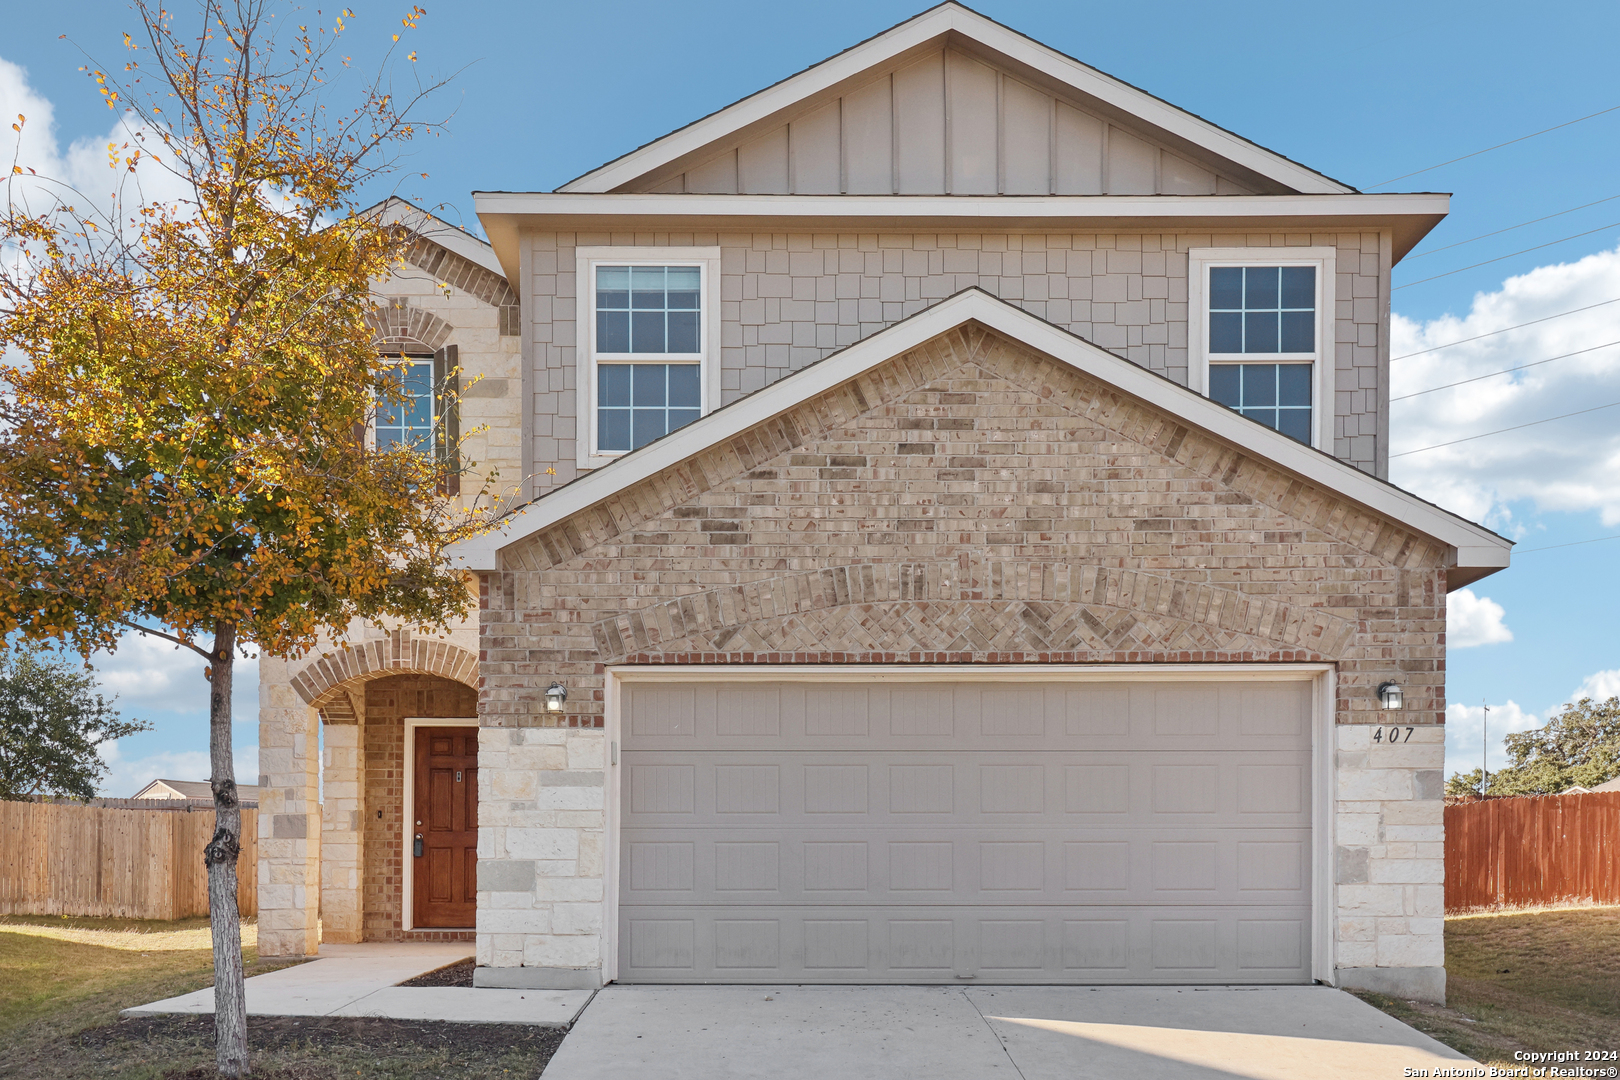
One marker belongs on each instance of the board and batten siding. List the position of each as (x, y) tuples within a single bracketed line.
[(789, 299), (944, 124)]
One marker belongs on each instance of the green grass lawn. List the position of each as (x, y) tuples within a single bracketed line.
[(1546, 980), (64, 981)]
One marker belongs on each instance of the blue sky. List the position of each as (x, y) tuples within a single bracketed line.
[(545, 91)]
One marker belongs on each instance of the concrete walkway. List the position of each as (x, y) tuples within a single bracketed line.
[(360, 980), (946, 1033)]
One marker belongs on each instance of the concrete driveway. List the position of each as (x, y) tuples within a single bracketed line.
[(986, 1033)]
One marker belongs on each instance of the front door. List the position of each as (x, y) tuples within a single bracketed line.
[(444, 839)]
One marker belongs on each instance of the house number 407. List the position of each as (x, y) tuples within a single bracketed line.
[(1394, 735)]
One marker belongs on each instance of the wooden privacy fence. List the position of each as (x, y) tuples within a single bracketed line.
[(1551, 849), (71, 859)]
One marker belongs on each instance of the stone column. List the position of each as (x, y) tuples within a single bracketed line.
[(343, 810), (289, 817)]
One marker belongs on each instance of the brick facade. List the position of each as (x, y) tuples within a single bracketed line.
[(389, 701), (967, 501), (789, 299)]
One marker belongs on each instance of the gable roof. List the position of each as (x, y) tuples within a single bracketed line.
[(190, 789), (396, 211), (951, 23), (1479, 551)]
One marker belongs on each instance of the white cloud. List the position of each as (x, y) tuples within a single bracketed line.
[(154, 675), (126, 776), (1600, 686), (1465, 728), (1474, 620), (1567, 465)]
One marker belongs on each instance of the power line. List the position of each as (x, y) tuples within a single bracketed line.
[(1499, 431), (1510, 228), (1504, 371), (1572, 543), (1505, 329), (1499, 258), (1498, 146)]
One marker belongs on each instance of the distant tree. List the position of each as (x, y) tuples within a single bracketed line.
[(1578, 746), (182, 445), (51, 723)]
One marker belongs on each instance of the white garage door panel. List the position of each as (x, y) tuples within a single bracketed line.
[(936, 832)]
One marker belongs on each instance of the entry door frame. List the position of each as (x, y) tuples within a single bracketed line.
[(408, 876), (1324, 694)]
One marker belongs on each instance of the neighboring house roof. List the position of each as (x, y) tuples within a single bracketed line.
[(1479, 551), (191, 789), (1609, 785), (953, 24)]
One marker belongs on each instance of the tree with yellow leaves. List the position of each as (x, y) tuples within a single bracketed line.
[(188, 384)]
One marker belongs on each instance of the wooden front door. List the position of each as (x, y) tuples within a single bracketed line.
[(444, 835)]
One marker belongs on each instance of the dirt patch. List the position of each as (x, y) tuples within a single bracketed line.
[(298, 1048), (459, 973)]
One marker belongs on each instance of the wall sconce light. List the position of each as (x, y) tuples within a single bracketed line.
[(1390, 697), (556, 694)]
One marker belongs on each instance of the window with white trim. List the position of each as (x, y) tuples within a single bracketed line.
[(420, 409), (649, 323), (1260, 327)]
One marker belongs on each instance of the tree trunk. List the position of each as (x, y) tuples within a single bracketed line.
[(230, 997)]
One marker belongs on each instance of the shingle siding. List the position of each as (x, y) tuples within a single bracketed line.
[(789, 299)]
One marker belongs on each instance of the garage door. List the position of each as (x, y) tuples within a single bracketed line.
[(945, 832)]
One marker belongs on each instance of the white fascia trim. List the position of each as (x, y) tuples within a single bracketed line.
[(457, 241), (898, 210), (1476, 546), (919, 31)]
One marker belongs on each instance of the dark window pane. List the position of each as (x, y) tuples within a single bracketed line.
[(683, 283), (1293, 384), (1298, 331), (1267, 417), (649, 425), (612, 287), (1226, 287), (1260, 287), (613, 331), (650, 379), (1299, 287), (1260, 332), (681, 417), (1296, 424), (1259, 385), (685, 391), (683, 331), (1225, 384), (647, 332), (613, 384), (647, 288), (613, 429), (1225, 332)]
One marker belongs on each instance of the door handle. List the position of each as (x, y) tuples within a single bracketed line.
[(416, 849)]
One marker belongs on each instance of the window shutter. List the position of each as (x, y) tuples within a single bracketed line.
[(447, 388)]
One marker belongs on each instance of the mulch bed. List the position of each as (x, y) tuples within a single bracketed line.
[(304, 1048), (459, 973)]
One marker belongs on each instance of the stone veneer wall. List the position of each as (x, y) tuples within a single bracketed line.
[(968, 501), (389, 701), (789, 299)]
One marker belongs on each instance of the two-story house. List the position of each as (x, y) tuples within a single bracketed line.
[(956, 544)]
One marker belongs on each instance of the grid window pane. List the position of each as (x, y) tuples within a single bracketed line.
[(408, 422), (637, 403), (1262, 309), (649, 310), (1277, 395)]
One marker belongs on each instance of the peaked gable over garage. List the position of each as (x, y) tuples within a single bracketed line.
[(953, 103)]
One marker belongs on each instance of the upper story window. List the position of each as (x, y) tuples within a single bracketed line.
[(650, 358), (1258, 321), (428, 419)]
